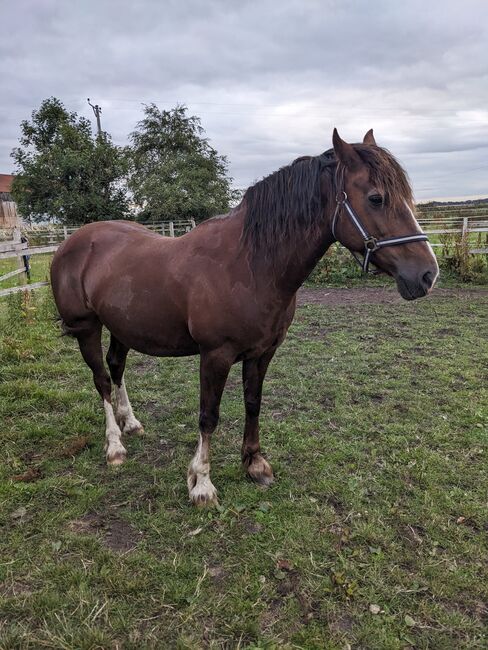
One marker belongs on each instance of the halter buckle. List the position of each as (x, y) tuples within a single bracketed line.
[(371, 244)]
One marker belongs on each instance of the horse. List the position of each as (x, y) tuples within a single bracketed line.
[(227, 289)]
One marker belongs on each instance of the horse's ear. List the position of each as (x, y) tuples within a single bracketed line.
[(369, 138), (345, 152)]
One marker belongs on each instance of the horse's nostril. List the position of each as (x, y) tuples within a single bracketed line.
[(428, 279)]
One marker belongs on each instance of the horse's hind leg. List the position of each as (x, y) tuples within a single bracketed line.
[(90, 342), (116, 358), (253, 373)]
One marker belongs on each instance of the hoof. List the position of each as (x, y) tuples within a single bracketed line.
[(207, 500), (133, 429), (259, 471), (202, 492), (129, 424), (116, 456)]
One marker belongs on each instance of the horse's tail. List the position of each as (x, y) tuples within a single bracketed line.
[(67, 330)]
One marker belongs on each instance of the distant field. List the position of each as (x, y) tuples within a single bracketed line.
[(374, 535)]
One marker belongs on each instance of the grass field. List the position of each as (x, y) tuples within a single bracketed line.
[(39, 270), (375, 419)]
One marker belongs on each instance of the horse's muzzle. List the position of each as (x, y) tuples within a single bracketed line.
[(418, 286)]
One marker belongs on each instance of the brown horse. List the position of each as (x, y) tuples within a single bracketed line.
[(226, 290)]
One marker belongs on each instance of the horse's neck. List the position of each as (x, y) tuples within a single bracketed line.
[(289, 267)]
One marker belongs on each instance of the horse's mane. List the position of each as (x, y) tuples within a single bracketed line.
[(289, 204)]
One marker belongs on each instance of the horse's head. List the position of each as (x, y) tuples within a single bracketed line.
[(375, 216)]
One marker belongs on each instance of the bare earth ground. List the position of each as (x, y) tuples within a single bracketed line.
[(372, 295)]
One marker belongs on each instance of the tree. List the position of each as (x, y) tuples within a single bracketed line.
[(174, 172), (64, 173)]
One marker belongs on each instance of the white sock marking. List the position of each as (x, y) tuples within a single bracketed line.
[(200, 487), (125, 415), (115, 451)]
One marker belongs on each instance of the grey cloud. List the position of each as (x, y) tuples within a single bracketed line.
[(269, 79)]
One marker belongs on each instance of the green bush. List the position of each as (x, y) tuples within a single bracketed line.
[(455, 257), (337, 267)]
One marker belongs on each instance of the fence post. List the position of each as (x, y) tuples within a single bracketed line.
[(465, 228), (17, 239), (65, 232), (171, 229), (193, 224)]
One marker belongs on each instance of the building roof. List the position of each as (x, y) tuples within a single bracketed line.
[(6, 182)]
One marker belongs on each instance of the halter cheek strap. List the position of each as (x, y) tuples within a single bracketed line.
[(371, 244)]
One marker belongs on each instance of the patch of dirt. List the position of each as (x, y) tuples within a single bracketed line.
[(414, 534), (446, 331), (336, 504), (31, 456), (218, 575), (75, 446), (250, 526), (477, 610), (480, 610), (372, 295), (156, 408), (30, 475), (14, 589), (115, 533), (143, 364), (377, 398), (271, 615), (356, 296), (160, 452), (341, 624), (327, 402), (288, 585)]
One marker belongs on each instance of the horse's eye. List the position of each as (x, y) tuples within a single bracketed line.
[(376, 199)]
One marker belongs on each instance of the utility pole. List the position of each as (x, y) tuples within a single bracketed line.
[(97, 110)]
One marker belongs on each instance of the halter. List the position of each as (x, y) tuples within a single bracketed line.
[(371, 244)]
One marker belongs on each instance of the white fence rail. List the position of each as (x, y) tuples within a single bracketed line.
[(464, 227), (47, 240), (52, 234)]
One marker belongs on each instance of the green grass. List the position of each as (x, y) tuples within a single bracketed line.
[(39, 270), (375, 419)]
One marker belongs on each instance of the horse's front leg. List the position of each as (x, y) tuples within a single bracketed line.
[(253, 373), (214, 369)]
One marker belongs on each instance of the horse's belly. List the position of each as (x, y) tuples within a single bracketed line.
[(158, 343), (165, 336)]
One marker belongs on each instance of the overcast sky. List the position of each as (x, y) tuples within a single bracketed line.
[(269, 79)]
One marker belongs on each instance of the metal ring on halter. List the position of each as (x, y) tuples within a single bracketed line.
[(371, 244), (344, 197)]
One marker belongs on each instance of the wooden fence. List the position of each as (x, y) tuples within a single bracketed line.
[(34, 241), (464, 228), (18, 247), (46, 239)]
